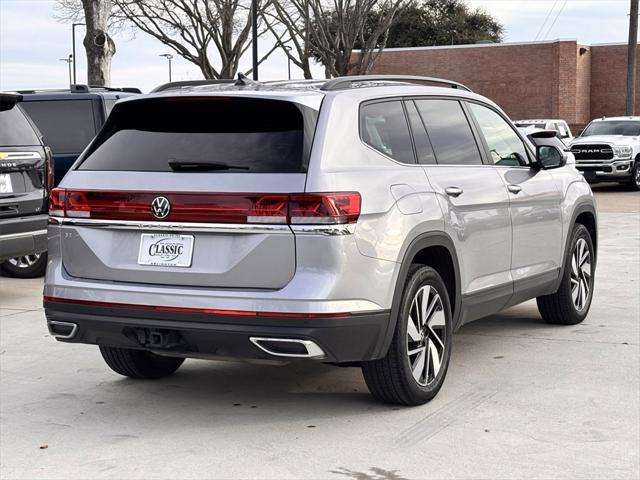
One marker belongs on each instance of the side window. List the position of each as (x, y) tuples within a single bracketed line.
[(449, 132), (420, 137), (66, 125), (383, 126), (504, 144)]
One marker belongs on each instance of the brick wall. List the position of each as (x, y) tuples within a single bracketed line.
[(609, 80), (558, 79)]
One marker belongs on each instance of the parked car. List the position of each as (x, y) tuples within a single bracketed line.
[(539, 137), (357, 221), (70, 118), (25, 175), (608, 150), (560, 126)]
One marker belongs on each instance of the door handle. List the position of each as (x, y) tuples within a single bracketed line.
[(453, 191), (514, 188)]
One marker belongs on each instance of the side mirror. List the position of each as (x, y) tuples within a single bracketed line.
[(548, 157)]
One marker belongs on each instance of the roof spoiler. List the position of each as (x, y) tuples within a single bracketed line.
[(8, 101), (188, 83)]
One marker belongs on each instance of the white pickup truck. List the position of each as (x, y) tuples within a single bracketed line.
[(608, 150)]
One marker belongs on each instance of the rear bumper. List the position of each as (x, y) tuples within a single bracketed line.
[(358, 337), (23, 236)]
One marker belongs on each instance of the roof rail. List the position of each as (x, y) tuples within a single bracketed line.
[(341, 83), (188, 83)]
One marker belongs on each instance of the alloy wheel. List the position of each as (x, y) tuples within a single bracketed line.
[(580, 274), (637, 176), (25, 261), (426, 335)]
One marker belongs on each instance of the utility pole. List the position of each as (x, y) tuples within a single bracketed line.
[(73, 47), (254, 37), (631, 58)]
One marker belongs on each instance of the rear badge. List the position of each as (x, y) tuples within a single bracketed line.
[(160, 207)]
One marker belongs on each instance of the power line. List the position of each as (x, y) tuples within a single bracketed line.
[(556, 19), (546, 18)]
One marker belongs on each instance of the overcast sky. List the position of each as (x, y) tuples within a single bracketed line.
[(32, 41)]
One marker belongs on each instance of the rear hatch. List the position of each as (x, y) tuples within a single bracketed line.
[(188, 191), (22, 163)]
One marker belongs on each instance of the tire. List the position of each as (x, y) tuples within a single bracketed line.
[(391, 379), (569, 305), (26, 266), (139, 363), (634, 181)]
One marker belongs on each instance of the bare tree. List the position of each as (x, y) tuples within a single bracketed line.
[(193, 27), (98, 44), (329, 30), (290, 25)]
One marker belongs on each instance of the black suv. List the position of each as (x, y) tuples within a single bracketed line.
[(70, 118), (26, 175)]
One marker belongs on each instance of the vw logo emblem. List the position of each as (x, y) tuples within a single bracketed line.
[(160, 207)]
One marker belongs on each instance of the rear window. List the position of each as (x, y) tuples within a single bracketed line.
[(221, 134), (15, 129), (66, 125)]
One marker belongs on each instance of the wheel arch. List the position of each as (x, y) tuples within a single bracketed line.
[(585, 214), (435, 249)]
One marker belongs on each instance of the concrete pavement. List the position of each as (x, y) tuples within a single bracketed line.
[(522, 399)]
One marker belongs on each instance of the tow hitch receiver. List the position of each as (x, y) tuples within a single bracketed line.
[(158, 338)]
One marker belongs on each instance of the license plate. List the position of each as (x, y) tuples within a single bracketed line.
[(165, 250), (5, 183)]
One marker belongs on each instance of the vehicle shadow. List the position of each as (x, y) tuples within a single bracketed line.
[(302, 391)]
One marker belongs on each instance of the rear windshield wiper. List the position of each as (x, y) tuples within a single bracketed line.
[(192, 166)]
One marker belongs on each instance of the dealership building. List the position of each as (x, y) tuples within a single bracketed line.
[(555, 79)]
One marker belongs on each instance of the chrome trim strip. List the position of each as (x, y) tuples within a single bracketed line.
[(21, 156), (173, 226), (74, 329), (11, 236), (313, 350), (328, 230)]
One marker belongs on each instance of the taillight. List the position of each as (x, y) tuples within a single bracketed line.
[(310, 208), (57, 202), (49, 169), (267, 208)]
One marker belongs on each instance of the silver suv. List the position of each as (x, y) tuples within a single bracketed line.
[(357, 221)]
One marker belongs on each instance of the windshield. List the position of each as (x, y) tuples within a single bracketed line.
[(628, 128), (15, 130)]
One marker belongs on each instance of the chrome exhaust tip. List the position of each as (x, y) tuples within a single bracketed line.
[(288, 347), (62, 330)]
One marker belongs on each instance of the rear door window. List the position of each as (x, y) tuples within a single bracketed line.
[(450, 133), (66, 125), (222, 134), (15, 129), (383, 126), (420, 137)]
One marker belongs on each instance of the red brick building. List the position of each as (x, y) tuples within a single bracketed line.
[(556, 79)]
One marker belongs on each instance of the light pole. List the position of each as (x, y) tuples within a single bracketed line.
[(69, 61), (169, 57), (254, 37), (288, 49), (73, 48)]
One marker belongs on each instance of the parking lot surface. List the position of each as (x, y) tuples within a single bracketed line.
[(522, 399)]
